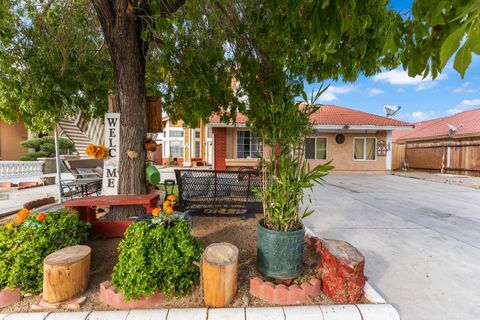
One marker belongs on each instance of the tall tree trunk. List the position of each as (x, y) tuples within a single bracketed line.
[(122, 32)]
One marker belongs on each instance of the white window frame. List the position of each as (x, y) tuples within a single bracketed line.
[(195, 140), (317, 137), (176, 130), (364, 148), (236, 144)]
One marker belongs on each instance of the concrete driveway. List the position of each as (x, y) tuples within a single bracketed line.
[(421, 240)]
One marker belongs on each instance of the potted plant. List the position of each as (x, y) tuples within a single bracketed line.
[(286, 174)]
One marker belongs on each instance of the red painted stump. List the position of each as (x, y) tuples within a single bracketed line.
[(341, 270)]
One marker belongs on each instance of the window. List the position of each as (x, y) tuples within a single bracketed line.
[(197, 134), (364, 148), (209, 132), (248, 145), (176, 133), (316, 148), (197, 149), (176, 149)]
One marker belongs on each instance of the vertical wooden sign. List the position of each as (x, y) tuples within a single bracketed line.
[(112, 142)]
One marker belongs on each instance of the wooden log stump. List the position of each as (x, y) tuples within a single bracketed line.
[(341, 271), (219, 274), (65, 273)]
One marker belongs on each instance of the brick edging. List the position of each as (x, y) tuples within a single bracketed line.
[(114, 298), (9, 296), (38, 203)]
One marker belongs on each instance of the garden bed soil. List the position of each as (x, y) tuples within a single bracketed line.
[(241, 233)]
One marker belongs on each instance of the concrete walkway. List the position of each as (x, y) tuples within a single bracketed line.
[(421, 240)]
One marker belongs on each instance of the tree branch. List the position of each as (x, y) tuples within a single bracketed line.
[(106, 16), (169, 8)]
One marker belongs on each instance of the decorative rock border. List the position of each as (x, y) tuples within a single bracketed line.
[(9, 296), (285, 295), (38, 203), (114, 298)]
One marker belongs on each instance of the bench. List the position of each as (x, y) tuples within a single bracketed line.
[(218, 192), (86, 208)]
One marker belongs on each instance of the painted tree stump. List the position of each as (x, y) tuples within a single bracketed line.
[(65, 273), (342, 271), (219, 274)]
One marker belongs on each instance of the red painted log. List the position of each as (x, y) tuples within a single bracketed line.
[(342, 271)]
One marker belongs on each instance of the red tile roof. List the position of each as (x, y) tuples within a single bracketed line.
[(467, 122), (335, 115)]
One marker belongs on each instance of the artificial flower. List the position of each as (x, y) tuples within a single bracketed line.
[(166, 204), (23, 213), (172, 198), (91, 149), (155, 212), (41, 217), (19, 220)]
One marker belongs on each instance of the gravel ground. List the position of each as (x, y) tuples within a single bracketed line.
[(241, 233), (459, 180)]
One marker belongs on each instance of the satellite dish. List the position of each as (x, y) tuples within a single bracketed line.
[(452, 129), (391, 110)]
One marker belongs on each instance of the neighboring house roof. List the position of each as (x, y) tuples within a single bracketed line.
[(466, 122), (334, 116)]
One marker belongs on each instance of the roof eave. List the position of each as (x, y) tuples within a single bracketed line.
[(359, 127)]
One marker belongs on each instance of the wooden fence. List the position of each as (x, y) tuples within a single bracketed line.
[(455, 157)]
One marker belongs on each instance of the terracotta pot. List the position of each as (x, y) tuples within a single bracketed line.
[(150, 145)]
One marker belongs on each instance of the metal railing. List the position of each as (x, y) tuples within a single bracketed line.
[(20, 168)]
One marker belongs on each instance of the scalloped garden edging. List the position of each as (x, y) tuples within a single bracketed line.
[(114, 298), (9, 296), (287, 295)]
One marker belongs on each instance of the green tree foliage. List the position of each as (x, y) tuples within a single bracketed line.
[(436, 32), (52, 61), (45, 147), (23, 247), (156, 257)]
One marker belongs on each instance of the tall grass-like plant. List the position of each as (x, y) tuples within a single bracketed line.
[(286, 173)]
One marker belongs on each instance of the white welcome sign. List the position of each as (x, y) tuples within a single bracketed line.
[(112, 142)]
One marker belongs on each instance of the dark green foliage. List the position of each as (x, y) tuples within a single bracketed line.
[(23, 248), (437, 31), (45, 147), (156, 257)]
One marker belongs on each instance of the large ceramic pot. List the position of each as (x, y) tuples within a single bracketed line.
[(279, 254)]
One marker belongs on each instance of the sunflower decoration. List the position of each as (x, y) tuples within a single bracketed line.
[(98, 152)]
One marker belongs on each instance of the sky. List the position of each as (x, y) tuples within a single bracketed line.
[(419, 99)]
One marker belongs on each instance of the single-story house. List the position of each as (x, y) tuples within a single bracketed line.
[(355, 141), (447, 145)]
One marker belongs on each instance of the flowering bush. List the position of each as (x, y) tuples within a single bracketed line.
[(97, 152), (27, 241), (156, 256)]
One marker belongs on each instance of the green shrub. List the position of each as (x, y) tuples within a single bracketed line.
[(23, 247), (45, 147), (156, 257)]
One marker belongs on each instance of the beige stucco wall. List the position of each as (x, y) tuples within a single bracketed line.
[(10, 137), (340, 154)]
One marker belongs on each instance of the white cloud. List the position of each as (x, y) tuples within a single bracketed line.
[(421, 116), (464, 105), (333, 92), (470, 103), (465, 88), (374, 91), (401, 90), (400, 78)]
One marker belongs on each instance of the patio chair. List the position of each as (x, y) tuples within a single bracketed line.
[(87, 178)]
